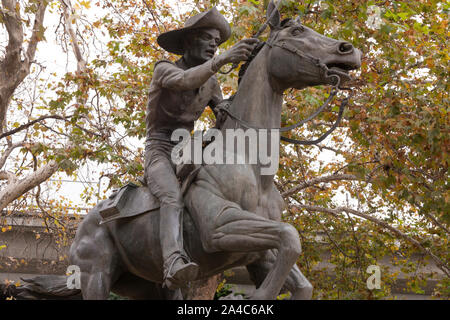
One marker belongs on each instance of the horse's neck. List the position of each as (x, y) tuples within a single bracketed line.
[(256, 102)]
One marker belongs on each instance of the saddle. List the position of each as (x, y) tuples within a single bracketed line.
[(132, 200)]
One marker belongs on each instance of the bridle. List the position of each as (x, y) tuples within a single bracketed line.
[(224, 107)]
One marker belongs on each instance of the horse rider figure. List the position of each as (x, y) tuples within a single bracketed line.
[(179, 92)]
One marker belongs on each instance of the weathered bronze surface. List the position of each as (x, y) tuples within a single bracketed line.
[(232, 213)]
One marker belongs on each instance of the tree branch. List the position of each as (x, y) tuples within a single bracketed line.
[(67, 11), (7, 152), (36, 36), (321, 147), (14, 70), (15, 33), (18, 188), (155, 17), (337, 211), (330, 178), (10, 65), (42, 118), (28, 124), (434, 220), (6, 175)]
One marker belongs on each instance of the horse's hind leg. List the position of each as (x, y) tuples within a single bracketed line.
[(242, 231), (226, 227), (94, 253), (296, 282)]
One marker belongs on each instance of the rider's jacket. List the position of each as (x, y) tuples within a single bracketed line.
[(178, 96)]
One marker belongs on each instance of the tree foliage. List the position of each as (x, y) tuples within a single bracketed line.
[(377, 188)]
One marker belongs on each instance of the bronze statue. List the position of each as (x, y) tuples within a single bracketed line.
[(179, 92), (232, 214)]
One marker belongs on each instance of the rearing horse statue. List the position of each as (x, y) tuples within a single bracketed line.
[(233, 213)]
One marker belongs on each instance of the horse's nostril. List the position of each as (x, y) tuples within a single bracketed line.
[(345, 47)]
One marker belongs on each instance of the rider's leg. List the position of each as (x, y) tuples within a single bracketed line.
[(161, 179)]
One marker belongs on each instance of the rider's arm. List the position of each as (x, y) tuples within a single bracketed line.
[(168, 75), (172, 77)]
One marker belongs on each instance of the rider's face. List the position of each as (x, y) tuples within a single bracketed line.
[(202, 45)]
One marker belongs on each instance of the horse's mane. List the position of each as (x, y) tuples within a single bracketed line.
[(250, 59), (227, 102)]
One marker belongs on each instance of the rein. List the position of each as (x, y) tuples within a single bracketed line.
[(224, 107)]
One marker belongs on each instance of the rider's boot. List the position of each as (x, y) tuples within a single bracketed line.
[(178, 269)]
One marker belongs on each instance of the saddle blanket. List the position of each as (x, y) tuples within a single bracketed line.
[(129, 201), (132, 200)]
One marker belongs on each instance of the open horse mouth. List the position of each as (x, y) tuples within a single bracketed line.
[(210, 52), (341, 69)]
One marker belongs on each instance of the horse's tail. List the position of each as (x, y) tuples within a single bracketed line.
[(46, 287)]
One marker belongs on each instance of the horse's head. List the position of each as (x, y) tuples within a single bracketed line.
[(300, 57)]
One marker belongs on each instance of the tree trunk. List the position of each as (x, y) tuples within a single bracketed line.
[(13, 68), (202, 289)]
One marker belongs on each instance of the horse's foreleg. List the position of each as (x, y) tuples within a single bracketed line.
[(296, 282)]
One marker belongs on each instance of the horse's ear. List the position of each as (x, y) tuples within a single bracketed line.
[(273, 17)]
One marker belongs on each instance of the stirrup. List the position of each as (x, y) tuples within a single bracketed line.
[(168, 277)]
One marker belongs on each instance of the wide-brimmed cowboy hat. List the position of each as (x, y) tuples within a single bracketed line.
[(172, 41)]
